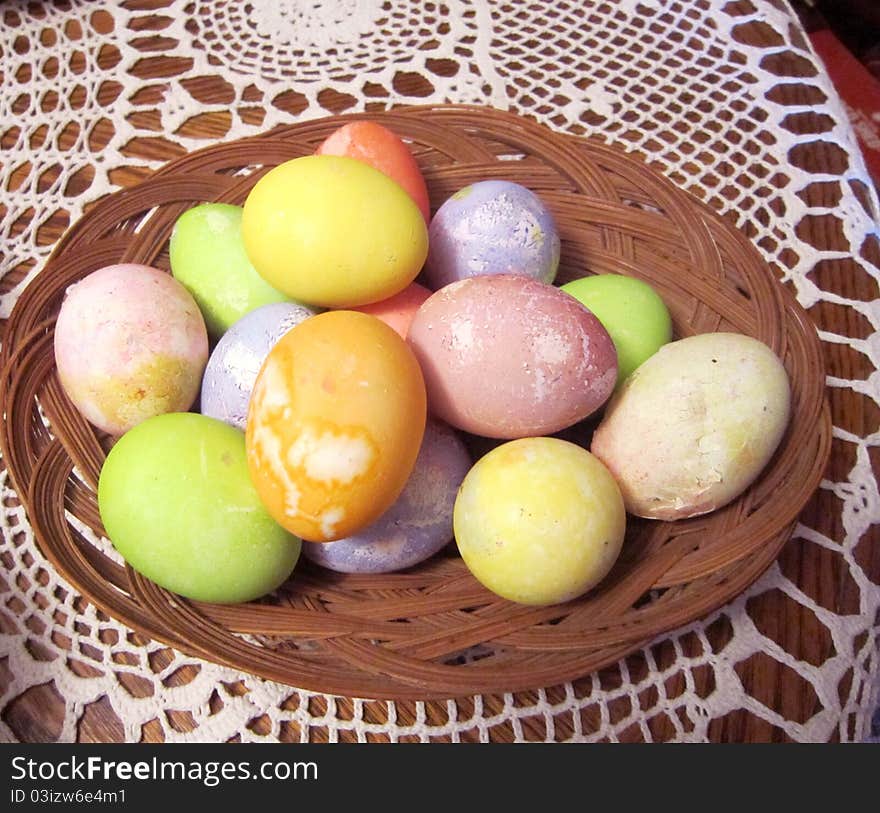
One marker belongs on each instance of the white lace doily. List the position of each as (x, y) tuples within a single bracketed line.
[(95, 95)]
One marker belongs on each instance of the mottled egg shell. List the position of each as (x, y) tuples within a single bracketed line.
[(492, 227), (509, 357), (178, 504), (539, 521), (333, 232), (418, 525), (398, 311), (233, 366), (382, 149), (335, 424), (694, 425), (208, 257), (130, 343), (631, 311)]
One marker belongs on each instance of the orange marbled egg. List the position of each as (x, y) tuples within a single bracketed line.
[(335, 424)]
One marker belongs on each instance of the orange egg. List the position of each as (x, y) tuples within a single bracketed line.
[(335, 424), (398, 311), (377, 146)]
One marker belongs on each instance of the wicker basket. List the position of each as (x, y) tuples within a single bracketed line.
[(432, 631)]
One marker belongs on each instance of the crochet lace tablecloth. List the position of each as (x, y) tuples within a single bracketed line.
[(718, 95)]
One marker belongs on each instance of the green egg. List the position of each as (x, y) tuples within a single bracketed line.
[(177, 502), (208, 258), (631, 311)]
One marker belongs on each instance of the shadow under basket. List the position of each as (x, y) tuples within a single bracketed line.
[(431, 632)]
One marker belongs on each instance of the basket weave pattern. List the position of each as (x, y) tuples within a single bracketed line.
[(433, 631)]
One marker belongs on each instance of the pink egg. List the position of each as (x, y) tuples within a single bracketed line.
[(398, 311), (505, 356), (130, 343)]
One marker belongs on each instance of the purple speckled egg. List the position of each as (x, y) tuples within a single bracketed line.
[(238, 356), (130, 343), (492, 227), (418, 525)]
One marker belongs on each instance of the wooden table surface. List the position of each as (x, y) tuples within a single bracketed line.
[(816, 570)]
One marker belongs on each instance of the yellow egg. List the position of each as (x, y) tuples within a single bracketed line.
[(334, 232), (335, 424), (539, 521)]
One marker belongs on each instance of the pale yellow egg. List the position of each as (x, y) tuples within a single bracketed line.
[(539, 521)]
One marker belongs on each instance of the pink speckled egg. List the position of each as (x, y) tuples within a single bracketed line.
[(418, 525), (130, 343), (505, 356)]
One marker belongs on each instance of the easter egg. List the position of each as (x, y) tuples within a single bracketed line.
[(233, 366), (130, 343), (631, 311), (398, 311), (507, 356), (382, 149), (694, 425), (418, 524), (492, 227), (208, 259), (335, 424), (334, 232), (539, 521), (176, 501)]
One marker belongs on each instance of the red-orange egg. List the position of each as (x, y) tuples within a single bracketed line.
[(335, 424), (398, 311), (377, 146)]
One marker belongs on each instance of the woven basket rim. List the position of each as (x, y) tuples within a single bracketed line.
[(375, 656)]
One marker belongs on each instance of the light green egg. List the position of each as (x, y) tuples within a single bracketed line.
[(631, 311), (208, 258), (176, 500)]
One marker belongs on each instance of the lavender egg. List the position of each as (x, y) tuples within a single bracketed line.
[(492, 227), (238, 356), (418, 525)]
